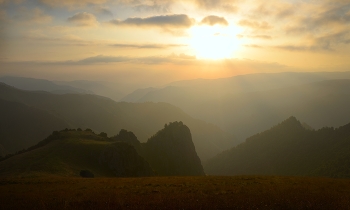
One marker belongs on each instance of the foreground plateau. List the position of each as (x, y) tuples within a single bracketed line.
[(211, 192)]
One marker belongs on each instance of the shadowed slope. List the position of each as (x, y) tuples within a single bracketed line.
[(22, 126), (288, 149), (66, 153)]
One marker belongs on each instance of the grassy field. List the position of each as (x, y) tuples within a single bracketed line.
[(241, 192)]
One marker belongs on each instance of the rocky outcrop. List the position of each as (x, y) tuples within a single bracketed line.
[(171, 152), (123, 160)]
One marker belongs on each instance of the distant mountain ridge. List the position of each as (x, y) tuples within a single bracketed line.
[(240, 84), (33, 84), (288, 149), (247, 104)]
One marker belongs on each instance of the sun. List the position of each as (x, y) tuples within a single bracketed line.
[(213, 42)]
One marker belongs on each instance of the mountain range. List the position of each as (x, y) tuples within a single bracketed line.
[(288, 149), (247, 104), (100, 114)]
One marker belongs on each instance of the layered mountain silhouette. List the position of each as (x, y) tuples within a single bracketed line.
[(70, 152), (103, 114), (248, 104), (175, 147), (288, 149)]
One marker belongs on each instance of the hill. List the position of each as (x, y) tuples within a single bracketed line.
[(103, 114), (69, 152), (22, 126), (288, 149), (251, 104)]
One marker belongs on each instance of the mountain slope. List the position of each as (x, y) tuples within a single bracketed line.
[(69, 152), (103, 114), (288, 149), (22, 126), (66, 153)]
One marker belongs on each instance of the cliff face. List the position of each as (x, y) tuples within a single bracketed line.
[(123, 160), (171, 152)]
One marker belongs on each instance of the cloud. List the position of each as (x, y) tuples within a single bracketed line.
[(3, 15), (253, 46), (151, 60), (275, 9), (167, 21), (155, 5), (322, 43), (259, 36), (180, 59), (8, 1), (104, 11), (324, 19), (263, 25), (83, 19), (214, 20), (101, 59), (68, 39), (147, 46), (223, 5), (72, 3), (35, 15)]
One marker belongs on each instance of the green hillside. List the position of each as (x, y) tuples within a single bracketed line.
[(288, 149), (69, 152), (65, 153)]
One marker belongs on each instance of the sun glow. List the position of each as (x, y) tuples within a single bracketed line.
[(213, 42)]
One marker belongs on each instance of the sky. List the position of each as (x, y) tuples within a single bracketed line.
[(154, 42)]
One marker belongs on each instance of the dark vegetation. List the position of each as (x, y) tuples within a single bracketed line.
[(169, 152), (241, 192), (98, 113), (86, 174), (288, 149)]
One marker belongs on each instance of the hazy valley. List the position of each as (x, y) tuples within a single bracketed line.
[(253, 131)]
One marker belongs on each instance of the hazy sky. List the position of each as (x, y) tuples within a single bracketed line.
[(145, 41)]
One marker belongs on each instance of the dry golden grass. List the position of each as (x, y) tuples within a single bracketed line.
[(241, 192)]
